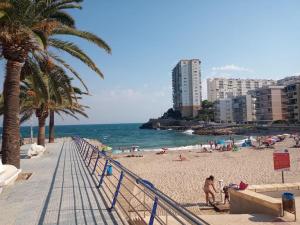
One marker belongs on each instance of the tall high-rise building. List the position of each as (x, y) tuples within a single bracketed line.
[(222, 88), (186, 77)]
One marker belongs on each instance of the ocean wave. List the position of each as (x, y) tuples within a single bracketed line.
[(189, 132)]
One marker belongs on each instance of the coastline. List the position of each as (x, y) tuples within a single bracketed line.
[(183, 180)]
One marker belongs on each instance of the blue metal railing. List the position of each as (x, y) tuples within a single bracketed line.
[(149, 205)]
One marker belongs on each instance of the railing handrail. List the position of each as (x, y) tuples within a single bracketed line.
[(183, 212)]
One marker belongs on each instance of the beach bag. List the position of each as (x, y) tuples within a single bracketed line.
[(243, 186), (233, 186)]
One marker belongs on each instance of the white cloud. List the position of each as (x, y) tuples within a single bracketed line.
[(125, 104), (231, 68)]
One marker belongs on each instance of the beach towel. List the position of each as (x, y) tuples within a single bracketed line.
[(243, 186)]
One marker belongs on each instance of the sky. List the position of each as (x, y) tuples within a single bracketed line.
[(232, 38)]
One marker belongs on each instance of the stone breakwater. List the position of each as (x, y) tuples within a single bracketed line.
[(201, 128)]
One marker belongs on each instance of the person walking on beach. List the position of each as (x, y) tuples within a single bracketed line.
[(209, 182)]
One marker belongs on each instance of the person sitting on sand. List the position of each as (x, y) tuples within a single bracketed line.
[(209, 182), (182, 158)]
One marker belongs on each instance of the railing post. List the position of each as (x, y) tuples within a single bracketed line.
[(98, 156), (103, 174), (87, 153), (144, 201), (91, 157), (117, 191), (153, 212)]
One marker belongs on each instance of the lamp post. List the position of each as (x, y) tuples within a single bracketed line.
[(31, 131)]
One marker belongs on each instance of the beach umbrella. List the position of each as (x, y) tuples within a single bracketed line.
[(106, 148), (221, 142)]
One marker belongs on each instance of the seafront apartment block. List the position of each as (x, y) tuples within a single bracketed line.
[(239, 109), (293, 102), (186, 80), (270, 103), (243, 109), (223, 111), (222, 88)]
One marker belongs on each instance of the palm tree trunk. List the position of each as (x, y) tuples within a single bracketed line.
[(41, 134), (51, 127), (11, 123)]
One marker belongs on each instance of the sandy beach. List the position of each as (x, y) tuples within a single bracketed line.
[(183, 180)]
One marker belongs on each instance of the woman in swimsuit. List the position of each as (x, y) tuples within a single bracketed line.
[(209, 182)]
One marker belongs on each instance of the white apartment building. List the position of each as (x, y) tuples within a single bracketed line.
[(186, 80), (288, 80), (223, 111), (222, 88)]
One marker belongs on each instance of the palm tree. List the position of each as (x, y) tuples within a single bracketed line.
[(25, 27), (67, 108), (53, 92), (16, 41)]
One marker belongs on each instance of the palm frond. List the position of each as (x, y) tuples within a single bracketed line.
[(54, 6), (68, 113), (70, 6), (64, 18), (65, 30), (71, 69), (26, 116), (75, 51)]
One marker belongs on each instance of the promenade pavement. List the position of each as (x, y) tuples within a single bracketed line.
[(60, 191)]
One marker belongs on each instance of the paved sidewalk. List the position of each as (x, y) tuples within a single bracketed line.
[(60, 191)]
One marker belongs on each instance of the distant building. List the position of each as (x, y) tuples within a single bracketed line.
[(186, 79), (288, 80), (293, 102), (270, 103), (222, 88), (223, 111), (243, 109)]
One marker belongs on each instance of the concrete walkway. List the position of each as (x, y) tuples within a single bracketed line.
[(60, 191)]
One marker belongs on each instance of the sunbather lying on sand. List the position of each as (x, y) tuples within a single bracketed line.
[(163, 151), (206, 150)]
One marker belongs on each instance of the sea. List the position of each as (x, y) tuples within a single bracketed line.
[(124, 136)]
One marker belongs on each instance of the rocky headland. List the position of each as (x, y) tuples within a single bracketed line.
[(203, 128)]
